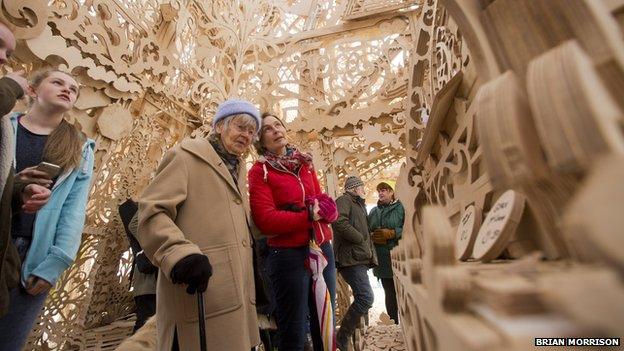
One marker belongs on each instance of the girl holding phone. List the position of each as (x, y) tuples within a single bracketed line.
[(47, 242)]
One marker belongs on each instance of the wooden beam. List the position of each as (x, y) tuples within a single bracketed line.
[(441, 104), (379, 10), (343, 28)]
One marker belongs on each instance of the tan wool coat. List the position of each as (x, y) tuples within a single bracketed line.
[(194, 206)]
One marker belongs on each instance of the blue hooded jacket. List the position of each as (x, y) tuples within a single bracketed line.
[(57, 230)]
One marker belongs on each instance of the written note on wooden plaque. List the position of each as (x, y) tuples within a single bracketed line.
[(499, 226)]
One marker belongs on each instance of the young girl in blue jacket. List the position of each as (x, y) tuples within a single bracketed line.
[(47, 241)]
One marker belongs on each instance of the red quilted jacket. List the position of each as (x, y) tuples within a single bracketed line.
[(272, 192)]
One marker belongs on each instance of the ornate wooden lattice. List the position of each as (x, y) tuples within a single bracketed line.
[(490, 110)]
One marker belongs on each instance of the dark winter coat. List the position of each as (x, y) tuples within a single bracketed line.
[(10, 91), (352, 241), (389, 216), (143, 273)]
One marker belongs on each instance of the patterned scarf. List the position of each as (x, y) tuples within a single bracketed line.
[(379, 204), (291, 161), (231, 161)]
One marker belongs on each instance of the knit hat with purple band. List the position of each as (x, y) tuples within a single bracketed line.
[(232, 107)]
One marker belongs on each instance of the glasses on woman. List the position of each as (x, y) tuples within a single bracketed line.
[(245, 129)]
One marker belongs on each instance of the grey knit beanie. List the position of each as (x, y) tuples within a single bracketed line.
[(353, 182), (232, 107)]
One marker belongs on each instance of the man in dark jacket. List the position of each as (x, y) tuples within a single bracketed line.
[(354, 255), (12, 88)]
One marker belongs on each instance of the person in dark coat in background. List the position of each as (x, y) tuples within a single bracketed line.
[(266, 311), (354, 255), (386, 224), (30, 197), (144, 273)]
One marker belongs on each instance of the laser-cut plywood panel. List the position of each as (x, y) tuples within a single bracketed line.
[(469, 143), (154, 72)]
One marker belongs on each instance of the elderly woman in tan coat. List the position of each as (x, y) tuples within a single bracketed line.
[(194, 225)]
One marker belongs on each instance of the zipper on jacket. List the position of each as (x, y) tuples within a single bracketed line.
[(297, 176)]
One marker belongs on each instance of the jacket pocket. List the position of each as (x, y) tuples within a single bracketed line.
[(222, 295), (360, 253)]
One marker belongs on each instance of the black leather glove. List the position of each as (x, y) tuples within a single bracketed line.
[(144, 265), (194, 270)]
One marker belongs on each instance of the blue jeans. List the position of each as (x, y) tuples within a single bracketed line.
[(24, 308), (17, 323), (357, 278), (292, 289)]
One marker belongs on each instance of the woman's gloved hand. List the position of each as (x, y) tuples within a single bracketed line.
[(328, 208), (193, 270), (380, 236), (325, 207)]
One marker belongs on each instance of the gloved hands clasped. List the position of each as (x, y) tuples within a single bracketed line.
[(380, 236), (193, 270)]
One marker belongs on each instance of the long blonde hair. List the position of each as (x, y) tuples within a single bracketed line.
[(64, 145)]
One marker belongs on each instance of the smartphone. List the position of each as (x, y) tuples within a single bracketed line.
[(50, 169)]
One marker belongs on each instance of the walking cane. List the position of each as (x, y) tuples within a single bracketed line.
[(202, 321)]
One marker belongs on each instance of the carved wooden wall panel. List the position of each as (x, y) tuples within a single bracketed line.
[(153, 72), (479, 132)]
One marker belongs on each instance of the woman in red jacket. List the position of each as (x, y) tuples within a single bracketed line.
[(288, 206)]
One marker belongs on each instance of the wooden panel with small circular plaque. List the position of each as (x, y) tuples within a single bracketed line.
[(499, 226)]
